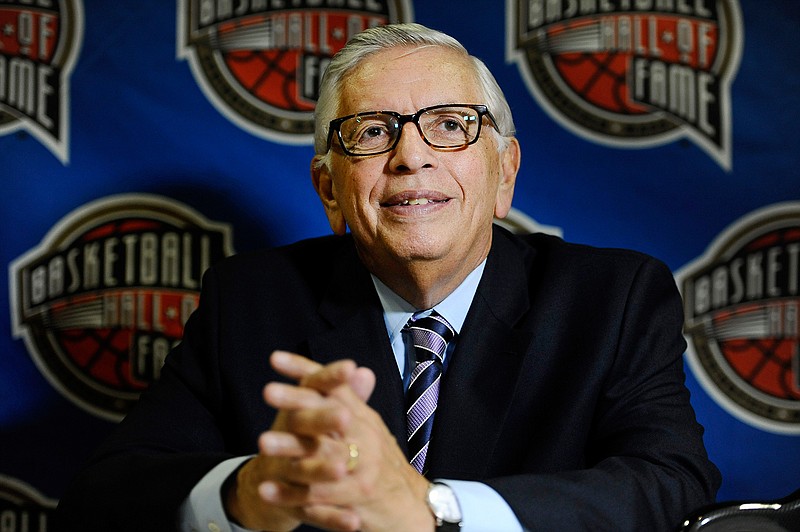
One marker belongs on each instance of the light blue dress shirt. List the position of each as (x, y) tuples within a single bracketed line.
[(482, 508)]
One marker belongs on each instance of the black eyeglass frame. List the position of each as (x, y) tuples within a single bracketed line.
[(402, 120)]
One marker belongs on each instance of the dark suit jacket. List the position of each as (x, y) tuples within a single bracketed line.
[(564, 393)]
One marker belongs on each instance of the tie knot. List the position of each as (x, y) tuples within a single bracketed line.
[(430, 335)]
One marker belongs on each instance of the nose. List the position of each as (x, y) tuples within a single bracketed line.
[(411, 153)]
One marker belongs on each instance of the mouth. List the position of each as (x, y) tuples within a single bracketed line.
[(414, 199)]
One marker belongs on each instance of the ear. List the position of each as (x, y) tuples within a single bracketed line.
[(323, 184), (509, 166)]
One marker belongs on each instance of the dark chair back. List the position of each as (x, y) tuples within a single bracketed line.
[(781, 515)]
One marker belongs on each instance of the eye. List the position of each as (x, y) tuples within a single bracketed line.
[(372, 135), (373, 132), (365, 132), (449, 127), (451, 124)]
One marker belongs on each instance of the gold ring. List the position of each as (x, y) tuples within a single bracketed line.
[(352, 460)]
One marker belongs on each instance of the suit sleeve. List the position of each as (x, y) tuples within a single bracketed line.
[(645, 464), (140, 475)]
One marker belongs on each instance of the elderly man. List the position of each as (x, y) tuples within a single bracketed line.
[(424, 369)]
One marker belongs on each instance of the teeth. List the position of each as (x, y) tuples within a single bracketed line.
[(418, 201)]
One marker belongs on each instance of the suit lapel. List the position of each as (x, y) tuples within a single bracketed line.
[(480, 381), (478, 388), (357, 331)]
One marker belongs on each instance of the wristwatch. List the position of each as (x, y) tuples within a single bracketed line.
[(444, 506)]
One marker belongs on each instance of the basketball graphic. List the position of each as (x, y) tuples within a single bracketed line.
[(102, 354), (271, 74), (104, 298), (606, 88), (600, 79), (629, 76), (768, 365), (742, 307), (261, 66)]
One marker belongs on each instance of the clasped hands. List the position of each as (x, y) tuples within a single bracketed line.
[(328, 460)]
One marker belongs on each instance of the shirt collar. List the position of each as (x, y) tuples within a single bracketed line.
[(454, 308)]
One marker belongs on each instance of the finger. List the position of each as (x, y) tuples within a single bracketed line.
[(302, 481), (283, 493), (285, 445), (324, 516), (363, 383), (306, 412), (324, 378), (290, 397), (246, 505), (313, 471), (329, 377), (305, 461), (332, 420), (332, 518), (350, 396), (292, 365)]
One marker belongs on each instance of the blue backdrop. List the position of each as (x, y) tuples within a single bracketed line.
[(138, 142)]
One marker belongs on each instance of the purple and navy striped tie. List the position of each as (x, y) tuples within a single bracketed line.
[(430, 336)]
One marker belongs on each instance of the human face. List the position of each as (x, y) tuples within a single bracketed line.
[(417, 204)]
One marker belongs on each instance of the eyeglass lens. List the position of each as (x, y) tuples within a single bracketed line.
[(442, 127)]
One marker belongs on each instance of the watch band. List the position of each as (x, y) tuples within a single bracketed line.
[(444, 526)]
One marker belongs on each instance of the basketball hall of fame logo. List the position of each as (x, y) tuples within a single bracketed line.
[(22, 508), (632, 73), (39, 44), (261, 62), (105, 295), (742, 305)]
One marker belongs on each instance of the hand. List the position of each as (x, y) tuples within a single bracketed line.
[(301, 473), (382, 489), (296, 450)]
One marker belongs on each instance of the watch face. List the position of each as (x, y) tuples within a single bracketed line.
[(443, 503)]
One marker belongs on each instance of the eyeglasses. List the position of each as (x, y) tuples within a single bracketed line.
[(441, 126)]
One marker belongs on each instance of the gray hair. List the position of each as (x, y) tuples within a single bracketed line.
[(380, 38)]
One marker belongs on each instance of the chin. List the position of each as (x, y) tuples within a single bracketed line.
[(420, 246)]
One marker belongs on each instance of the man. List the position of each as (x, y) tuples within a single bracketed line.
[(561, 402)]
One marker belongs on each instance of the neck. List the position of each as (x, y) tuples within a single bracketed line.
[(424, 284)]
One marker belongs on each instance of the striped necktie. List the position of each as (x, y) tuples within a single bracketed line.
[(430, 336)]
